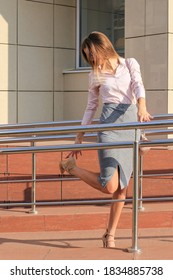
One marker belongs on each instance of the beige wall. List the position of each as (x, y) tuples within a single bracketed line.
[(75, 94), (37, 45), (148, 24), (37, 42)]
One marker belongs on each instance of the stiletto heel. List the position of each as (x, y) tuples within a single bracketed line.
[(67, 165), (108, 240)]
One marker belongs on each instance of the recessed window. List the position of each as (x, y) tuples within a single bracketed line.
[(104, 16)]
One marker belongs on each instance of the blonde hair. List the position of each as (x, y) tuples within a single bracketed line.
[(99, 46)]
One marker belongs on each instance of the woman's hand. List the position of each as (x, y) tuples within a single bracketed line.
[(78, 140), (143, 115)]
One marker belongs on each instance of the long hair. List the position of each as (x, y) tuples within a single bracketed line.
[(99, 47)]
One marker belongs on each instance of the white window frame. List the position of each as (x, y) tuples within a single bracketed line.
[(77, 33), (78, 67)]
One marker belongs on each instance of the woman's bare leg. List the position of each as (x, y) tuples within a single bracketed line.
[(116, 210), (91, 179), (113, 186), (116, 207)]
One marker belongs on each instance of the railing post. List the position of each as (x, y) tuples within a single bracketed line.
[(33, 189), (134, 247), (141, 208)]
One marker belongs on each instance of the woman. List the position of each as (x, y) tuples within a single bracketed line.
[(119, 83)]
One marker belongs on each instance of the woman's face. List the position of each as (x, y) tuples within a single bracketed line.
[(91, 58)]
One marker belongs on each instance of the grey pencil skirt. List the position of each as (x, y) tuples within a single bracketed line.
[(121, 158)]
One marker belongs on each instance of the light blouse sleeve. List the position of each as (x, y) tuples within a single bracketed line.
[(93, 99), (136, 78)]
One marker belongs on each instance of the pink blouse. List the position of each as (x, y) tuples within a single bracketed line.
[(125, 86)]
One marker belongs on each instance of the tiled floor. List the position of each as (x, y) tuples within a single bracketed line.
[(155, 244)]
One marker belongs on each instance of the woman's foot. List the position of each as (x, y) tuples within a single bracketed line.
[(67, 165), (108, 240)]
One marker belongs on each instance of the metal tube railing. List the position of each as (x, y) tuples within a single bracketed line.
[(134, 247), (82, 202), (80, 128), (91, 128), (141, 208), (66, 123), (33, 189), (89, 137), (69, 137), (92, 146)]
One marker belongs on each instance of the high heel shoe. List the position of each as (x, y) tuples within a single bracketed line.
[(108, 240), (67, 165)]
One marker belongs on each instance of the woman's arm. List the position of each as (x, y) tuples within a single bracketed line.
[(143, 115), (92, 105), (138, 89)]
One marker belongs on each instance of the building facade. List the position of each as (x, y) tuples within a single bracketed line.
[(42, 76)]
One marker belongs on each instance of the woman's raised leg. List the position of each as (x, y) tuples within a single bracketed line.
[(89, 177)]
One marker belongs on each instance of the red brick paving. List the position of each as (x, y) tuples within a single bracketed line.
[(155, 244)]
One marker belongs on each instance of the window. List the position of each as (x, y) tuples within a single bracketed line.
[(104, 16)]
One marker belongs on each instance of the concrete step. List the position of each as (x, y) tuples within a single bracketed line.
[(83, 217)]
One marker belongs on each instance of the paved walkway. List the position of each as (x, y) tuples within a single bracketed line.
[(155, 244)]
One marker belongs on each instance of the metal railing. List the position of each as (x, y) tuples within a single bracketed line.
[(60, 130)]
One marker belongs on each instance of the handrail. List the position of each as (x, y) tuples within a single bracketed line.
[(60, 137), (67, 122), (40, 132), (85, 128), (88, 136), (92, 146), (65, 147), (42, 138)]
